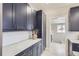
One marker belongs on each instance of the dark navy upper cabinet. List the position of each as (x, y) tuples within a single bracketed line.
[(30, 18), (18, 17), (74, 19), (33, 17), (7, 17), (21, 15), (13, 17)]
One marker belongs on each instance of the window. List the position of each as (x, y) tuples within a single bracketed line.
[(60, 28)]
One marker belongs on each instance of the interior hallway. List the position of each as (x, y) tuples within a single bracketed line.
[(56, 49)]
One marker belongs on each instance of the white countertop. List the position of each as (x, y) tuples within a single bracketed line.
[(75, 53), (13, 49), (74, 41)]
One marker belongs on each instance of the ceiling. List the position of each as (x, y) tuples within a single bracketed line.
[(53, 9), (50, 6)]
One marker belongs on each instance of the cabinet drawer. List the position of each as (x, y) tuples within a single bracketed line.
[(75, 47)]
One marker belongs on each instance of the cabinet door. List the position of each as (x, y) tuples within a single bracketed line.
[(35, 49), (33, 22), (29, 18), (21, 15), (7, 17), (39, 23), (39, 48)]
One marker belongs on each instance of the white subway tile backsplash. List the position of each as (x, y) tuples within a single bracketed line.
[(13, 37)]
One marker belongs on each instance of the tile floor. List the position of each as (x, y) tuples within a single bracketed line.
[(55, 49)]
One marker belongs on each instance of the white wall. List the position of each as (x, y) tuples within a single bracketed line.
[(0, 29)]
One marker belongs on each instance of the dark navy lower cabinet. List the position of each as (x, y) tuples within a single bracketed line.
[(34, 50), (39, 48), (21, 53), (26, 52), (75, 47)]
